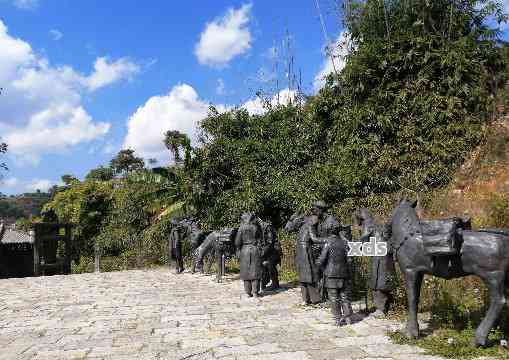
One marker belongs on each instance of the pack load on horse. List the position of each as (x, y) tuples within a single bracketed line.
[(443, 237), (218, 244), (224, 249)]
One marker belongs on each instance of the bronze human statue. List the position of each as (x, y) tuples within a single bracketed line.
[(449, 249), (324, 223), (175, 246), (382, 267), (309, 277), (271, 255), (248, 243), (219, 244), (333, 261)]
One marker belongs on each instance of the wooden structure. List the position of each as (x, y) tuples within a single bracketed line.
[(46, 250), (52, 249), (16, 253)]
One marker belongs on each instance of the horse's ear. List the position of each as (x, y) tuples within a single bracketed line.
[(414, 204)]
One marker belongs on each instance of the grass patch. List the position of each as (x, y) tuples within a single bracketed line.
[(125, 261), (461, 347), (456, 308)]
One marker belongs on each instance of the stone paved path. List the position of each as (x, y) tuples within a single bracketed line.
[(154, 314)]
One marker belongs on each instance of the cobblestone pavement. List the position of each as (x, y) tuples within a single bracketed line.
[(154, 314)]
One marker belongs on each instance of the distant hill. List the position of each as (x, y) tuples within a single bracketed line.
[(26, 205)]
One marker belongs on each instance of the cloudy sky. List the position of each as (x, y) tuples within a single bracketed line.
[(83, 79)]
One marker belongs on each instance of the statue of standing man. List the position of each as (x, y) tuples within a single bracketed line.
[(325, 224), (305, 263), (333, 260), (175, 246), (248, 244), (382, 267), (271, 255)]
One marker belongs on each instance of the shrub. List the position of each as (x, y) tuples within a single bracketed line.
[(498, 210)]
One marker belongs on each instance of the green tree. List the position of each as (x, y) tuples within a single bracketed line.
[(126, 162), (69, 179), (101, 173), (174, 140), (86, 204)]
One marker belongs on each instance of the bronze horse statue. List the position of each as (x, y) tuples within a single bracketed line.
[(213, 244), (484, 253), (200, 240)]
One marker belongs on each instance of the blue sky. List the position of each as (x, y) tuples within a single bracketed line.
[(83, 79)]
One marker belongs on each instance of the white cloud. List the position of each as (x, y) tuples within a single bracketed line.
[(256, 106), (225, 38), (56, 128), (41, 109), (339, 50), (26, 4), (106, 73), (180, 110), (39, 184), (10, 182), (55, 34)]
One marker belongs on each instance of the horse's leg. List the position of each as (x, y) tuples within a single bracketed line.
[(211, 257), (495, 283), (413, 282), (193, 261), (204, 249)]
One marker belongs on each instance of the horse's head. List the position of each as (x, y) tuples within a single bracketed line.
[(405, 213), (196, 237), (295, 223)]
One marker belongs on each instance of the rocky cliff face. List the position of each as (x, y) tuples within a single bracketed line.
[(481, 186)]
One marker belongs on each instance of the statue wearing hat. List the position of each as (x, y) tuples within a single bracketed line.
[(325, 222), (334, 262)]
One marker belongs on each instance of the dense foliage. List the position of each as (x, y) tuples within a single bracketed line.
[(101, 173), (10, 210), (113, 214)]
